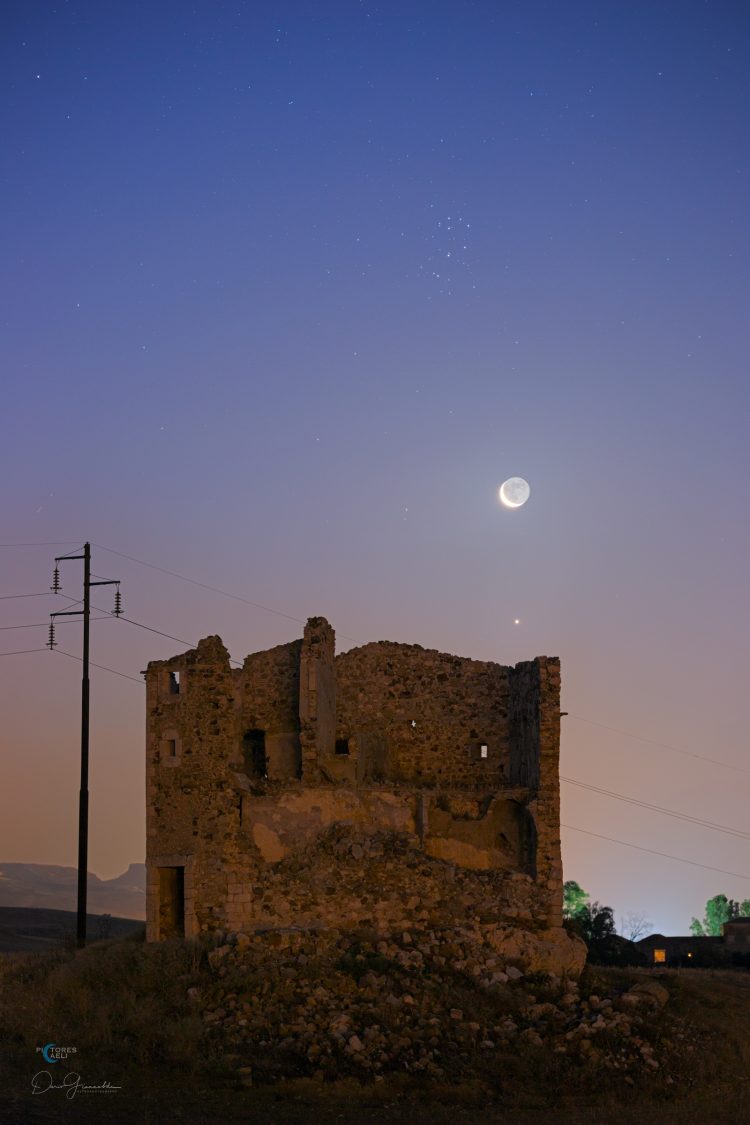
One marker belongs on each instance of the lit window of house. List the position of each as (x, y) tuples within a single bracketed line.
[(483, 751), (660, 956)]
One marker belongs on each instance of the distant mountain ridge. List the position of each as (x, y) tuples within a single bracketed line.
[(56, 888)]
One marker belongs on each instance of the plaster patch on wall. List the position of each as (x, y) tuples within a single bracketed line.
[(465, 855), (389, 810), (299, 817), (328, 804), (268, 843)]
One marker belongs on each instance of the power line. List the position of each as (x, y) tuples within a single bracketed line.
[(21, 651), (213, 589), (651, 851), (738, 832), (189, 644), (604, 792), (663, 745), (53, 543), (297, 620), (139, 625), (44, 624), (9, 597), (203, 585), (150, 629), (103, 667), (35, 625)]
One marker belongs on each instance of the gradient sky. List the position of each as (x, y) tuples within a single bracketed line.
[(290, 288)]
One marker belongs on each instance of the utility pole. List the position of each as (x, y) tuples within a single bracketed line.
[(83, 797)]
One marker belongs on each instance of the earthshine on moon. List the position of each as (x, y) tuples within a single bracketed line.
[(514, 492)]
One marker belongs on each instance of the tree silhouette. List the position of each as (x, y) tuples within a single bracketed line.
[(719, 910)]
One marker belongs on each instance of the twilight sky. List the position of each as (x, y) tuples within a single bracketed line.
[(289, 289)]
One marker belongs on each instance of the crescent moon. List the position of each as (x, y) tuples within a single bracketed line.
[(514, 492)]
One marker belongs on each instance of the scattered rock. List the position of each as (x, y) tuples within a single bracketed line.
[(327, 1002), (652, 991), (216, 956)]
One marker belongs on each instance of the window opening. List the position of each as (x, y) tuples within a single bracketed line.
[(254, 746)]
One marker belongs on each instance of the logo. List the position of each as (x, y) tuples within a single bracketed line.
[(71, 1083), (51, 1053)]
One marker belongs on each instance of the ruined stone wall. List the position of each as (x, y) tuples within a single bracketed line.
[(385, 738), (269, 689), (267, 693), (317, 697), (192, 807), (421, 716), (535, 764)]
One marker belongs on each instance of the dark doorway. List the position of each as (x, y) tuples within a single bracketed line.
[(254, 751), (171, 902), (342, 747)]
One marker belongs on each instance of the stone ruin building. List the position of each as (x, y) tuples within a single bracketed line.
[(249, 767)]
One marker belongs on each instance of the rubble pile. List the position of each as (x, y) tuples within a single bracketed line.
[(445, 992), (383, 882), (378, 878)]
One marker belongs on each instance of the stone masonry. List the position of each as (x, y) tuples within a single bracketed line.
[(249, 768)]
